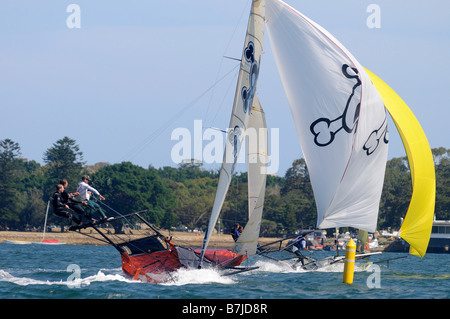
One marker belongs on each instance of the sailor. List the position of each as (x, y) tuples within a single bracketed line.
[(299, 244), (61, 209), (236, 232), (70, 201), (85, 191)]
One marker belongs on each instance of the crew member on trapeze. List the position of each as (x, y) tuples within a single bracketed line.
[(85, 190), (299, 244), (236, 231), (60, 208)]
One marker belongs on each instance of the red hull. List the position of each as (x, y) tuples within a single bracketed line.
[(156, 267), (223, 257)]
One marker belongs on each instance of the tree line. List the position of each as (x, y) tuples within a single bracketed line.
[(184, 195)]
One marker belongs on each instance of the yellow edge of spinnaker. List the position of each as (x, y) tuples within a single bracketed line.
[(417, 224)]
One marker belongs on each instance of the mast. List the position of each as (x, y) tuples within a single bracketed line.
[(243, 100), (337, 241), (45, 221)]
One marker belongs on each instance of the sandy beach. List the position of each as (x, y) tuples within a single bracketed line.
[(189, 239), (186, 239)]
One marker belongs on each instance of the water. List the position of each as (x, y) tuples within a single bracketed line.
[(94, 272)]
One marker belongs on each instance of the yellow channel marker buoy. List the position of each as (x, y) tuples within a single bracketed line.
[(349, 262)]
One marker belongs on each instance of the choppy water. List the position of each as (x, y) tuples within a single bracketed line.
[(94, 272)]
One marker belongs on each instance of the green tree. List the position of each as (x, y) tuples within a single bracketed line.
[(130, 188), (9, 153), (235, 208), (442, 167), (396, 194), (10, 201), (194, 200), (300, 211), (186, 171), (274, 211), (64, 160), (297, 177), (268, 228), (297, 199), (169, 219), (32, 175), (33, 213)]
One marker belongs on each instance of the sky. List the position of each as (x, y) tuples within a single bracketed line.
[(120, 77)]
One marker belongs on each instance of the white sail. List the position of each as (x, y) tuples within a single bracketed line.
[(339, 116), (245, 91), (257, 159)]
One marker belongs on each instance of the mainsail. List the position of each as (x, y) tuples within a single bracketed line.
[(339, 116), (245, 92), (257, 159), (417, 224)]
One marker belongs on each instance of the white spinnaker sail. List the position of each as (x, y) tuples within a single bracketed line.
[(257, 159), (245, 91), (339, 116)]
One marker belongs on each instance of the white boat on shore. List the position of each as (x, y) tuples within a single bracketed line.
[(49, 242), (440, 237), (17, 242)]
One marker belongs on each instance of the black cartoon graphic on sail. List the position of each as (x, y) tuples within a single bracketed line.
[(248, 93), (325, 129)]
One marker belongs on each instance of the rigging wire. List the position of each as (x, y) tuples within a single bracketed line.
[(221, 61), (124, 218), (156, 133), (145, 142), (223, 100), (115, 211)]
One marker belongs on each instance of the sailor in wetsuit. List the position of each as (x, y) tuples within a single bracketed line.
[(69, 200), (62, 209), (299, 244), (236, 232)]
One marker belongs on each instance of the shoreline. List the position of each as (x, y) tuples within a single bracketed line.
[(187, 239), (77, 238)]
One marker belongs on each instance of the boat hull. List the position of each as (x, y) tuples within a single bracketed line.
[(439, 245), (153, 267), (157, 267), (49, 242), (17, 242)]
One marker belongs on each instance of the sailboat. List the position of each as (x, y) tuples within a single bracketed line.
[(44, 240), (339, 110), (47, 241), (153, 258)]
